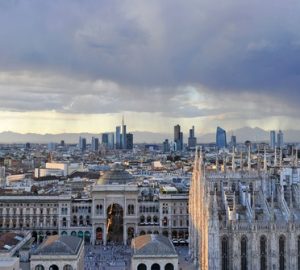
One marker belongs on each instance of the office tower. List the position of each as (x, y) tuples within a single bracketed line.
[(82, 144), (178, 138), (272, 139), (129, 140), (233, 141), (2, 177), (111, 140), (124, 137), (118, 137), (221, 141), (95, 144), (62, 143), (192, 140), (166, 146), (27, 145), (280, 142), (104, 140)]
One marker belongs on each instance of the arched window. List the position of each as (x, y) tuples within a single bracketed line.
[(155, 266), (81, 220), (244, 253), (155, 219), (281, 252), (142, 219), (68, 267), (87, 220), (101, 209), (263, 253), (53, 267), (142, 266), (39, 267), (169, 266), (224, 246), (299, 252), (148, 219)]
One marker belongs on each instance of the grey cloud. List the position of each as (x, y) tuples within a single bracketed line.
[(149, 50)]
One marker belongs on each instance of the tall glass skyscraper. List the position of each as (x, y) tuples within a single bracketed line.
[(221, 141), (280, 142), (178, 138), (272, 139)]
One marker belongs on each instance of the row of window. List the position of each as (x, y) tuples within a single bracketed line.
[(54, 267), (263, 253), (155, 266)]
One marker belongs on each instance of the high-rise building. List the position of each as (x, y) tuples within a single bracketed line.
[(95, 144), (104, 140), (129, 141), (280, 142), (178, 138), (111, 140), (118, 137), (233, 141), (124, 137), (192, 140), (82, 144), (108, 140), (221, 141), (272, 139), (166, 146)]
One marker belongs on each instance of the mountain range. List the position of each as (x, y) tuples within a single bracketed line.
[(246, 133)]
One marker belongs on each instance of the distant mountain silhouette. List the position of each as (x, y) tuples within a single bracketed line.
[(242, 134)]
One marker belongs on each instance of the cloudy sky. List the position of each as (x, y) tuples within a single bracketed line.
[(79, 65)]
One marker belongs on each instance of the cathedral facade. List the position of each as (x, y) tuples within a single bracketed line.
[(244, 219)]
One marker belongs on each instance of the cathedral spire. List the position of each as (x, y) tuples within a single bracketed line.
[(265, 160)]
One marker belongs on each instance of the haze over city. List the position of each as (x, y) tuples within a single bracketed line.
[(78, 66)]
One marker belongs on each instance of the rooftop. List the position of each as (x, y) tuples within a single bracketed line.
[(153, 245)]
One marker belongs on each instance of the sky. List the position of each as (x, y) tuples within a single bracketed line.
[(79, 65)]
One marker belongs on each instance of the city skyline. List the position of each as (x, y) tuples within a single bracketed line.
[(231, 65)]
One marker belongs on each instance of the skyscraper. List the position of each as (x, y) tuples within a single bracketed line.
[(221, 141), (111, 140), (178, 138), (166, 146), (233, 141), (272, 139), (118, 137), (95, 144), (129, 141), (192, 140), (104, 140), (280, 142), (82, 144), (124, 137)]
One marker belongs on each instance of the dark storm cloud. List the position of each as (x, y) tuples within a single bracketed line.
[(227, 47)]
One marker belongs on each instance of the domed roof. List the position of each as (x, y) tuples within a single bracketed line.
[(117, 175), (153, 245)]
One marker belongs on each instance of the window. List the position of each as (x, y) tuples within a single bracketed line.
[(39, 267), (68, 267), (169, 266), (224, 246), (155, 266), (130, 209), (142, 266), (263, 253), (244, 253), (281, 252), (299, 252)]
